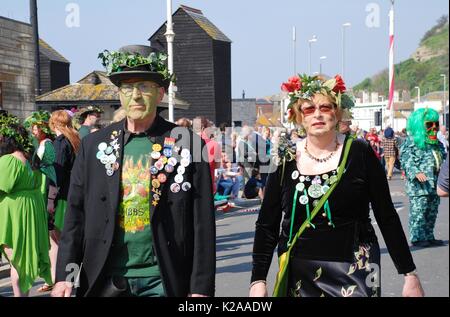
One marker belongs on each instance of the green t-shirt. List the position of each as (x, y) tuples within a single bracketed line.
[(132, 253), (84, 130)]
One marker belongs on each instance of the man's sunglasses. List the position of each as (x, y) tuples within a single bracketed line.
[(307, 111), (432, 124)]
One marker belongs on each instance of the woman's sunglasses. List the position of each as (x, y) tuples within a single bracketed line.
[(307, 111)]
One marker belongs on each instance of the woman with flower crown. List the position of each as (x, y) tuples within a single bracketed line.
[(324, 185), (23, 220)]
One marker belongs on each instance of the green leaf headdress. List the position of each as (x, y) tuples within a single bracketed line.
[(9, 127), (41, 119)]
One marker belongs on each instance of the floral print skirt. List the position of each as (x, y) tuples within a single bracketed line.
[(359, 278)]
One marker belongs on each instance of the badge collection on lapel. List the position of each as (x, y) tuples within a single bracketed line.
[(165, 161), (109, 154)]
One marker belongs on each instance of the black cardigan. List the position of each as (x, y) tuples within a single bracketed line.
[(65, 157), (364, 182)]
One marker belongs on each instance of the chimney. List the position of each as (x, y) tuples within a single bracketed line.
[(37, 64)]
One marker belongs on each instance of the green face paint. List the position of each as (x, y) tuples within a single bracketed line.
[(432, 129), (139, 99)]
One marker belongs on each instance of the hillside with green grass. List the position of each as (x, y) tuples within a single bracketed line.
[(423, 69)]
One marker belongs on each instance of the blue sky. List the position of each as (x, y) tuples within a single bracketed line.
[(261, 31)]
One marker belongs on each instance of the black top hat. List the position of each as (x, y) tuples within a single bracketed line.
[(145, 72)]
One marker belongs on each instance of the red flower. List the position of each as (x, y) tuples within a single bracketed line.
[(340, 85), (292, 85)]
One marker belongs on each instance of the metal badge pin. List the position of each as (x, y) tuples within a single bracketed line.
[(102, 146), (185, 162), (300, 187), (156, 183), (181, 170), (175, 188), (304, 199), (110, 172), (169, 168), (156, 148), (155, 155), (185, 153), (153, 170), (179, 178), (315, 191), (162, 178), (295, 175), (186, 186), (173, 161)]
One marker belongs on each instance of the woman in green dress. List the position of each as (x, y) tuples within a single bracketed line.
[(23, 219)]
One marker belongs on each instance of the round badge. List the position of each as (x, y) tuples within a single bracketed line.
[(162, 178), (295, 175), (315, 203), (315, 191), (185, 153), (156, 183), (156, 148), (333, 179), (179, 178), (302, 178), (100, 154), (304, 199), (300, 187), (186, 186), (175, 188), (109, 172), (181, 170), (155, 155), (172, 161), (325, 177), (159, 165), (325, 189), (164, 160), (185, 162), (169, 168), (156, 197), (104, 159), (108, 150), (102, 146), (116, 166), (109, 166), (153, 170), (167, 152), (112, 158)]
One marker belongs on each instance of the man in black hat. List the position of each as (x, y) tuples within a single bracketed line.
[(89, 117), (140, 215)]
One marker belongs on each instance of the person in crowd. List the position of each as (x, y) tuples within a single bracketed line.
[(421, 156), (66, 145), (254, 186), (442, 189), (184, 122), (88, 117), (443, 137), (321, 195), (201, 127), (140, 211), (23, 219), (390, 150)]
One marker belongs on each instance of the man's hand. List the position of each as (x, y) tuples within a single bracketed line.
[(421, 177), (412, 287), (62, 289), (258, 290)]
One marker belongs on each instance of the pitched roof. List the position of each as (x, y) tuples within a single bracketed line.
[(94, 87), (50, 52), (203, 22)]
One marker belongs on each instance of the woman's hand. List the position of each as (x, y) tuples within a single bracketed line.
[(421, 177), (258, 290), (412, 287)]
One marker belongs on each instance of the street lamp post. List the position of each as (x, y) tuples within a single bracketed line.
[(170, 36), (313, 40), (445, 99), (418, 94), (344, 26), (322, 58)]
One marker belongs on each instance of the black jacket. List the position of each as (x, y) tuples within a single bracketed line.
[(65, 157), (183, 224), (362, 185)]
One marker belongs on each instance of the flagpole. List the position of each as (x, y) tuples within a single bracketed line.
[(391, 65), (170, 35)]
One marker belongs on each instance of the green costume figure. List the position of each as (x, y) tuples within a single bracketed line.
[(421, 156)]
